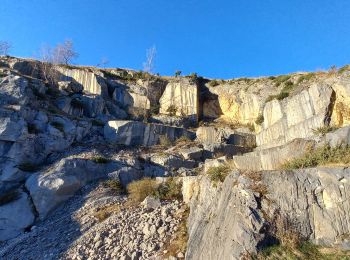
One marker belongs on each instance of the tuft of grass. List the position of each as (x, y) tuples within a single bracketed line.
[(28, 167), (179, 242), (106, 212), (114, 185), (321, 156), (59, 126), (305, 77), (165, 141), (260, 119), (139, 190), (343, 69), (324, 130), (8, 197), (218, 173), (171, 189), (100, 159), (281, 79), (183, 140)]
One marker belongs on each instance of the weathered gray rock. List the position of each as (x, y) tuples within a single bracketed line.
[(150, 203), (192, 153), (170, 161), (213, 135), (11, 129), (70, 86), (13, 90), (139, 133), (296, 117), (49, 189), (126, 175), (15, 216)]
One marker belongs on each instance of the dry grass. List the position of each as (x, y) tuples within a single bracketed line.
[(219, 173), (324, 130), (114, 185), (139, 190), (325, 155), (171, 189), (106, 212), (179, 242), (165, 141)]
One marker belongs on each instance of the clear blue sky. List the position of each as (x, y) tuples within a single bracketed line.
[(221, 38)]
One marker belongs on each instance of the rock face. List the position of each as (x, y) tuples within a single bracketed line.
[(50, 189), (181, 99), (237, 210), (15, 216), (138, 133), (91, 82)]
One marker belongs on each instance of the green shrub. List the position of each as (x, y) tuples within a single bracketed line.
[(139, 190), (320, 156), (28, 167), (324, 130), (218, 173), (169, 190), (58, 126), (260, 119), (100, 159), (178, 73), (8, 197)]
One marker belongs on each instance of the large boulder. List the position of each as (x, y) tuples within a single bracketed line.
[(16, 215), (12, 129), (13, 90), (59, 183), (138, 133)]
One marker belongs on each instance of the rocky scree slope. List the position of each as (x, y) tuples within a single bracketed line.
[(80, 125)]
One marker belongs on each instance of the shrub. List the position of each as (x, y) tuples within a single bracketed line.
[(320, 156), (169, 190), (218, 173), (324, 130), (343, 69), (271, 77), (260, 119), (165, 141), (59, 126), (139, 190), (172, 109), (8, 197), (178, 73), (114, 185), (105, 212), (100, 159), (214, 83), (305, 77), (28, 167), (281, 79)]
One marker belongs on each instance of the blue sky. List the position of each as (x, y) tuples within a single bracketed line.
[(217, 39)]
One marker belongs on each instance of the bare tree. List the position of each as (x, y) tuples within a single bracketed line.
[(5, 47), (64, 53), (148, 65), (46, 64), (104, 61)]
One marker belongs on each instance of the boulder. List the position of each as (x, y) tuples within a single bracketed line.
[(192, 153), (126, 175), (16, 215), (13, 90), (11, 130), (49, 189), (169, 161), (139, 133), (150, 203), (70, 86)]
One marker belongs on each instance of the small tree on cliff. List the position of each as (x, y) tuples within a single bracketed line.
[(5, 48), (64, 53), (148, 65)]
